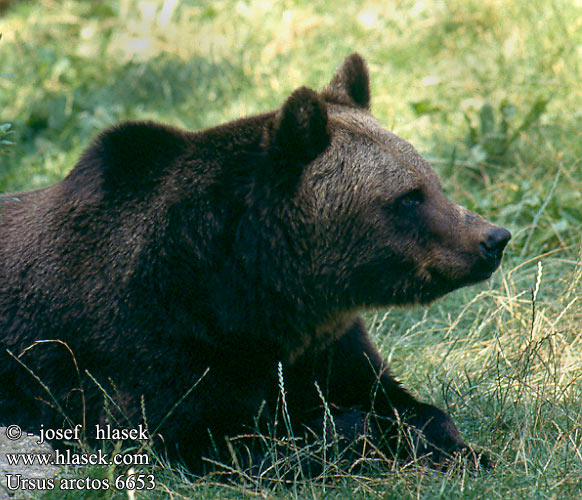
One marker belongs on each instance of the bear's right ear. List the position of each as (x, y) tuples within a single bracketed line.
[(298, 134), (351, 83)]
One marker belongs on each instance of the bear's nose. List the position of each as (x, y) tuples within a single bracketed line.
[(494, 241)]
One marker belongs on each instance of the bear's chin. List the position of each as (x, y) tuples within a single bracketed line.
[(439, 286)]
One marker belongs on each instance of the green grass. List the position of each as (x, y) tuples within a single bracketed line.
[(489, 91)]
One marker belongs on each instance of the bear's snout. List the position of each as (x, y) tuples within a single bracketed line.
[(493, 242)]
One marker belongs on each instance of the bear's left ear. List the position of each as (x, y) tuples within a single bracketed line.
[(298, 134), (350, 84)]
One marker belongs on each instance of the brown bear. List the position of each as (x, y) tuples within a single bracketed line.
[(172, 275)]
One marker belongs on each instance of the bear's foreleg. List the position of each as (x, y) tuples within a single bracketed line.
[(353, 377)]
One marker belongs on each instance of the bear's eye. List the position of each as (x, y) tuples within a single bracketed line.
[(411, 199)]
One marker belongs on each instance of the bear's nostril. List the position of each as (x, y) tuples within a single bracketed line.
[(494, 241)]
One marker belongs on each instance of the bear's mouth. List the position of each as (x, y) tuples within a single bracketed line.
[(443, 283), (486, 268), (481, 276)]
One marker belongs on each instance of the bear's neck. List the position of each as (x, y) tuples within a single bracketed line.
[(249, 281)]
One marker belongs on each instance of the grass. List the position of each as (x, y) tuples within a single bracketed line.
[(487, 90)]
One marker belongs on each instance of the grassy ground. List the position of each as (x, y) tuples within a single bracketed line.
[(489, 91)]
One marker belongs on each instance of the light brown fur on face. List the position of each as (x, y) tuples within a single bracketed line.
[(357, 188)]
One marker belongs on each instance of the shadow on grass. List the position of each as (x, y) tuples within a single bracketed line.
[(94, 95)]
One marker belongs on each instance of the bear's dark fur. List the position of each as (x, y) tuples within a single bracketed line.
[(177, 269)]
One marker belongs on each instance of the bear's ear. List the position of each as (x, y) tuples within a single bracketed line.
[(298, 134), (350, 84), (132, 154)]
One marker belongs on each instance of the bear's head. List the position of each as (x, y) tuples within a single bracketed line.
[(380, 231)]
